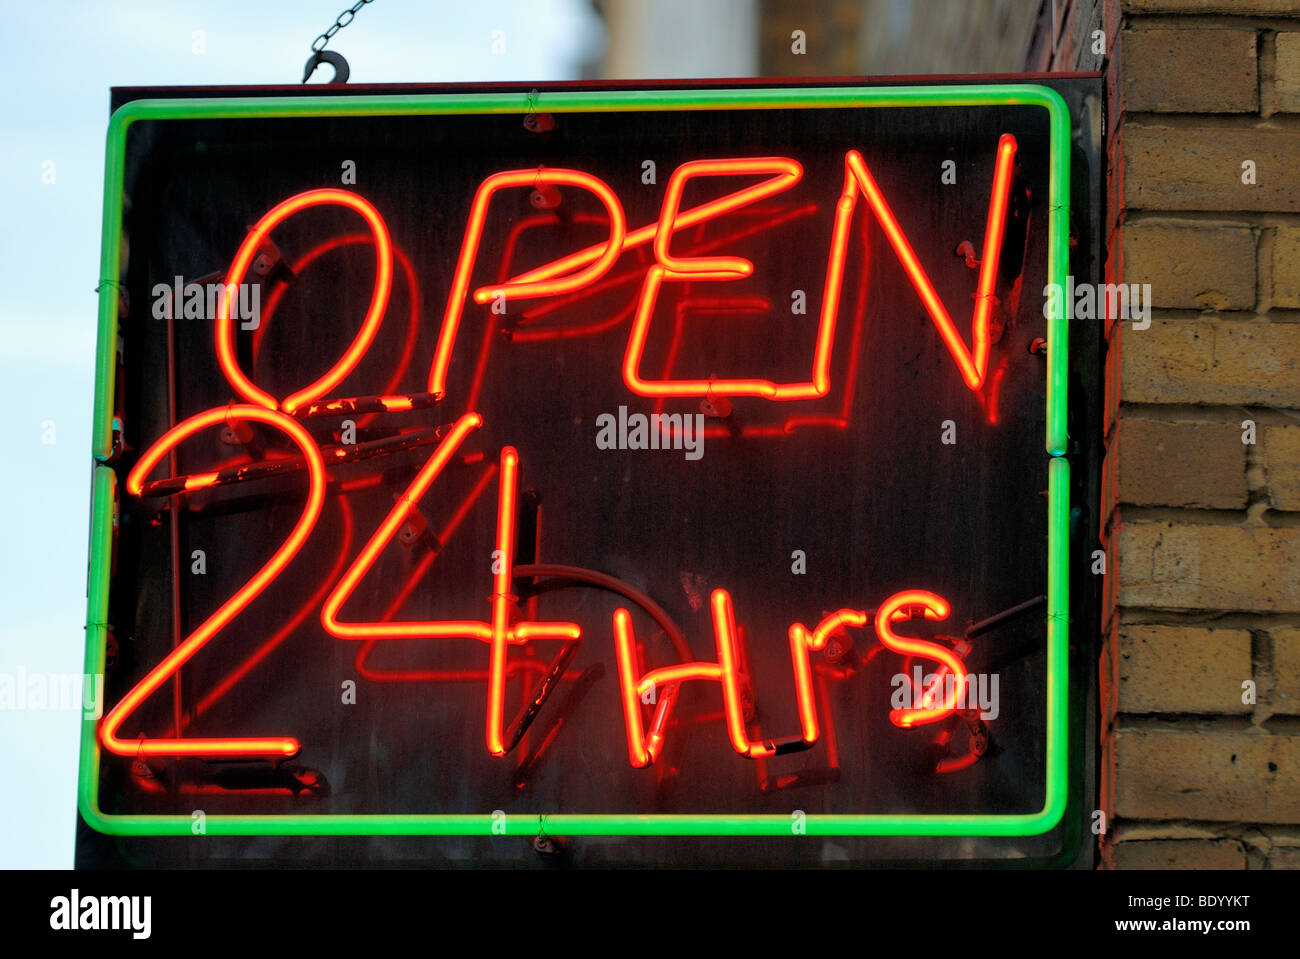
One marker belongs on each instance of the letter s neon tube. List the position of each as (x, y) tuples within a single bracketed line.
[(935, 607)]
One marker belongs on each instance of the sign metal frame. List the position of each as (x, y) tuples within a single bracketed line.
[(104, 485)]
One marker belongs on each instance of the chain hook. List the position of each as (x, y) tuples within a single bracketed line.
[(320, 55), (341, 70)]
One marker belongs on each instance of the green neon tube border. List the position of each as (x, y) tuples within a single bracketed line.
[(103, 501)]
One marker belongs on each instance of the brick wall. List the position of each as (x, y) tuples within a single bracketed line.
[(1202, 530)]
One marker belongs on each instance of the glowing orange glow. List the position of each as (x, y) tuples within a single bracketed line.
[(801, 643), (503, 602), (731, 305), (543, 219), (526, 632), (521, 334), (768, 218), (225, 333), (955, 765), (576, 281), (503, 563), (490, 330), (530, 332), (972, 364), (519, 289), (625, 653), (933, 607), (527, 333), (722, 387), (199, 481), (972, 367), (692, 217), (412, 320), (992, 391), (388, 529), (666, 675), (789, 174), (498, 633), (580, 274), (642, 749), (524, 334), (836, 621), (729, 672), (277, 747), (716, 267), (820, 383), (724, 630), (696, 304)]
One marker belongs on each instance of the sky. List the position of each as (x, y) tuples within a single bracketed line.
[(62, 58)]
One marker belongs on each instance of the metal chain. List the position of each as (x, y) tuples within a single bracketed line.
[(340, 22)]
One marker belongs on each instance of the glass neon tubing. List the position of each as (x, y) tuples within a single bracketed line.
[(277, 747), (225, 332)]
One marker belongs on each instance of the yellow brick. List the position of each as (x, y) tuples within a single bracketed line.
[(1192, 266), (1286, 267), (1283, 857), (1285, 697), (1207, 774), (1199, 361), (1165, 70), (1286, 73), (1182, 669), (1180, 854), (1171, 566), (1176, 168), (1162, 463), (1279, 449)]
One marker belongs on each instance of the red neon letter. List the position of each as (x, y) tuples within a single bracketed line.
[(972, 368), (802, 643), (643, 749), (281, 747), (499, 632), (788, 173), (520, 288), (437, 629), (692, 217), (413, 312), (932, 606), (370, 326), (857, 179), (503, 603)]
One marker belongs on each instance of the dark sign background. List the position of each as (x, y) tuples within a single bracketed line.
[(876, 502)]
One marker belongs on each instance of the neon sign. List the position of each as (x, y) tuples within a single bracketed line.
[(389, 590)]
